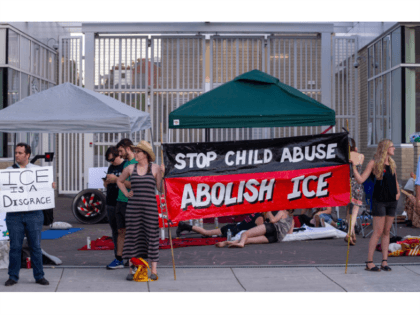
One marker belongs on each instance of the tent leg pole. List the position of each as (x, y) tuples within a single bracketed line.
[(207, 134), (14, 147)]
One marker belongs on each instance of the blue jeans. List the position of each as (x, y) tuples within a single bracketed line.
[(19, 224), (113, 223), (327, 217)]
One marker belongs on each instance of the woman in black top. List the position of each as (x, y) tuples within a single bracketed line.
[(386, 193)]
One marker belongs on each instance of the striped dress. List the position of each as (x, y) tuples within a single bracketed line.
[(142, 219)]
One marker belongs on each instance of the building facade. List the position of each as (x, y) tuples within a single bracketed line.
[(367, 72), (28, 65)]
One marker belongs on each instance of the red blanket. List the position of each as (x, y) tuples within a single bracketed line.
[(105, 243)]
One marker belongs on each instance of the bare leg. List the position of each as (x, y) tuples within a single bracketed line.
[(378, 228), (348, 212), (154, 267), (353, 221), (254, 232), (385, 238), (206, 232), (257, 240), (258, 221), (120, 241)]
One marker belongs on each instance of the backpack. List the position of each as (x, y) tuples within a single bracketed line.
[(368, 187), (48, 213)]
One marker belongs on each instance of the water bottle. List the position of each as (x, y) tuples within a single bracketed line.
[(339, 224), (229, 235)]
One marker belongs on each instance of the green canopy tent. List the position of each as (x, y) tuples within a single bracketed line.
[(251, 100)]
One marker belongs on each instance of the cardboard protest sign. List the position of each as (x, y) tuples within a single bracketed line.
[(26, 189), (237, 177)]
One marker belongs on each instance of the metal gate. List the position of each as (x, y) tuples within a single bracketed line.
[(344, 84), (161, 73), (70, 146), (296, 61), (155, 76)]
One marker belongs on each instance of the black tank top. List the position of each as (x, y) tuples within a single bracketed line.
[(386, 189)]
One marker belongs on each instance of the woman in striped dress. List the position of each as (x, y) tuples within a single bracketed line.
[(142, 218)]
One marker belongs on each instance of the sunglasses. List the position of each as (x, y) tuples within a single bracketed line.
[(111, 160), (138, 151)]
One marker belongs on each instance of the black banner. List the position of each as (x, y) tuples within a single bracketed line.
[(255, 156)]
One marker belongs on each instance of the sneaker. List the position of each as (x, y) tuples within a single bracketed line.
[(116, 264), (10, 282), (42, 281), (182, 226)]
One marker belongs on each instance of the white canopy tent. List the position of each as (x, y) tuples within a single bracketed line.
[(67, 108)]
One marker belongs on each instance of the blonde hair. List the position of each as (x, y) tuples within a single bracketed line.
[(379, 158)]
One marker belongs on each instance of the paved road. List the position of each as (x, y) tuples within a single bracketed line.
[(315, 252)]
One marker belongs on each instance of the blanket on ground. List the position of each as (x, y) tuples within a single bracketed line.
[(408, 246), (105, 243)]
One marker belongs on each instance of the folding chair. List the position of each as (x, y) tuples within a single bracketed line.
[(364, 219)]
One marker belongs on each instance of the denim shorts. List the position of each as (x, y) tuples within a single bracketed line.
[(327, 218), (381, 209)]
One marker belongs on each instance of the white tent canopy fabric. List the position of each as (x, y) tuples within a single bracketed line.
[(67, 108)]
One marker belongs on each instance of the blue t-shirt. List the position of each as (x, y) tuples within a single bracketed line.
[(418, 173)]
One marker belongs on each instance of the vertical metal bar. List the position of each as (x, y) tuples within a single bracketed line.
[(221, 61), (183, 64), (211, 66), (198, 63), (252, 58), (290, 63), (227, 60), (216, 42), (167, 62), (263, 53), (203, 64)]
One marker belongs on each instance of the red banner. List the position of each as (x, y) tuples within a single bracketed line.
[(233, 194)]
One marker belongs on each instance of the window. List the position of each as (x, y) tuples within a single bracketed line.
[(394, 96), (13, 51)]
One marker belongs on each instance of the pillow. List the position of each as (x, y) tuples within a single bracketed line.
[(60, 226)]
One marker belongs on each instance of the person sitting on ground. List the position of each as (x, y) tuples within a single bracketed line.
[(413, 212), (249, 222), (306, 215), (323, 216), (269, 232)]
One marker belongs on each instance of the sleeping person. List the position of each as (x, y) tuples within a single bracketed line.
[(269, 232), (249, 222)]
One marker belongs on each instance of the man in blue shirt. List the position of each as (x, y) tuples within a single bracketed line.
[(25, 222)]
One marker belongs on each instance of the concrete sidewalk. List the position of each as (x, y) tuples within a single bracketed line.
[(403, 278)]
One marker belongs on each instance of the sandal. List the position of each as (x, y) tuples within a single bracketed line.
[(353, 238), (373, 268), (154, 277), (385, 268), (346, 239)]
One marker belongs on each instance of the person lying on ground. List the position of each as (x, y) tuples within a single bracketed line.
[(249, 222), (269, 232)]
